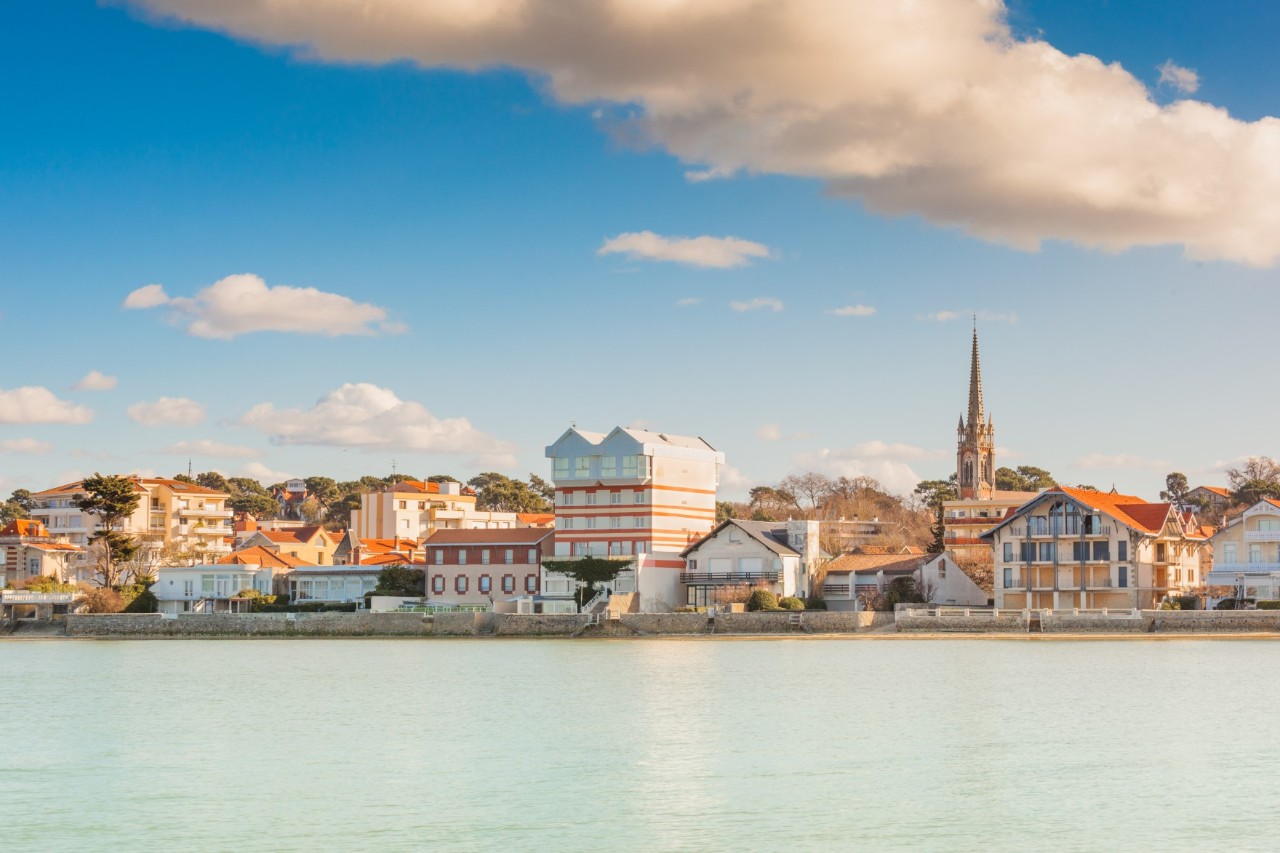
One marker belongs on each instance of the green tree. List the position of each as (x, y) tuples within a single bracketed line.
[(185, 478), (543, 488), (213, 480), (325, 491), (1024, 478), (499, 493), (112, 499), (938, 530), (443, 478), (589, 572), (1176, 488), (933, 492), (725, 510), (15, 507), (401, 580)]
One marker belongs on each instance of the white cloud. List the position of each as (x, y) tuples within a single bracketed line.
[(894, 474), (934, 109), (733, 481), (757, 304), (769, 432), (689, 300), (1184, 80), (37, 405), (265, 475), (707, 252), (881, 450), (167, 411), (698, 176), (240, 304), (946, 316), (852, 311), (95, 381), (366, 416), (206, 447), (24, 445), (1120, 460)]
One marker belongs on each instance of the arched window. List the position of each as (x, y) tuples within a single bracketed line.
[(967, 478)]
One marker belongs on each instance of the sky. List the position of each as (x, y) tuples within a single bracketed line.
[(279, 239)]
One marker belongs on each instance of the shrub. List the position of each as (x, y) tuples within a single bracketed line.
[(48, 583), (143, 602), (1268, 605), (762, 599), (790, 602), (102, 600), (1188, 602), (815, 604)]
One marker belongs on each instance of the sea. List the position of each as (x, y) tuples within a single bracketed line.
[(639, 744)]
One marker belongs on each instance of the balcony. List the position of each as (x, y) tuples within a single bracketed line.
[(1059, 531), (205, 512), (719, 578), (1245, 569), (836, 589), (1262, 536)]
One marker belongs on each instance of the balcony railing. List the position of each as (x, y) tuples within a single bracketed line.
[(708, 578), (1262, 536), (1061, 531), (835, 589)]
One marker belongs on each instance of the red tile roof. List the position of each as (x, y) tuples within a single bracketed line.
[(1217, 490), (507, 536), (858, 563), (297, 535), (263, 557), (536, 519), (24, 527)]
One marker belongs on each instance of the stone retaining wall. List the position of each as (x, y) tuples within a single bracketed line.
[(1011, 623)]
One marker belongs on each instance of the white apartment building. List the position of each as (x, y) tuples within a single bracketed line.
[(1246, 554), (634, 495), (780, 556), (171, 514), (207, 589), (1069, 548), (413, 509)]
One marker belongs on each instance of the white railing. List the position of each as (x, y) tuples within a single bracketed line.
[(595, 601), (1262, 536), (20, 597)]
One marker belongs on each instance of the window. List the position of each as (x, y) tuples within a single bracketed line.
[(460, 584), (639, 496), (33, 565), (629, 467), (404, 523), (566, 498), (1027, 551), (509, 556), (615, 497), (1102, 551), (530, 583), (1079, 551), (1122, 550), (485, 584), (637, 522), (439, 556), (591, 523), (615, 522), (1162, 552), (1008, 552), (404, 504), (560, 470), (608, 466), (484, 557), (1123, 574), (1047, 551), (206, 584), (1255, 553), (1008, 578), (591, 498), (1229, 553), (462, 556), (942, 568), (582, 468), (508, 583), (1268, 524), (188, 588)]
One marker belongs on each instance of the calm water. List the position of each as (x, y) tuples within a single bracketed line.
[(639, 745)]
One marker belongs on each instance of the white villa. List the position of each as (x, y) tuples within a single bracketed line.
[(207, 589), (1246, 554)]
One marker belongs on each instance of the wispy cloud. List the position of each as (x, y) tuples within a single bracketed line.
[(947, 316), (852, 311), (773, 432), (24, 446), (706, 252), (689, 300), (241, 304), (760, 303), (1119, 460), (32, 404), (167, 411), (1184, 80), (207, 447), (95, 380)]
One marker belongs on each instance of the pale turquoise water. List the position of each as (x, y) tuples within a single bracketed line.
[(639, 745)]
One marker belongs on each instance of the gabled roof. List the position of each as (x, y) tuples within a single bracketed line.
[(871, 563), (24, 527), (54, 546), (138, 486), (1217, 490), (296, 535), (382, 546), (1129, 510), (501, 536), (536, 519), (770, 534), (262, 557)]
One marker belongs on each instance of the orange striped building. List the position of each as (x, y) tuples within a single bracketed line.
[(633, 495)]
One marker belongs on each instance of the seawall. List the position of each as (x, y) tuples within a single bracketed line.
[(468, 624)]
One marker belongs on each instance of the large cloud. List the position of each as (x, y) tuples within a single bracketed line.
[(244, 303), (167, 411), (886, 462), (367, 416), (32, 404), (928, 107)]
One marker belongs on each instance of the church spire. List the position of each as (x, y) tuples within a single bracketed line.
[(977, 416)]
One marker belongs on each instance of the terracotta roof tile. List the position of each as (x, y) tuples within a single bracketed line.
[(507, 536), (851, 563), (264, 557)]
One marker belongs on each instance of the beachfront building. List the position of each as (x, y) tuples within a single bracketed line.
[(332, 584), (469, 567), (257, 557), (208, 589), (636, 496), (188, 522), (851, 579), (1076, 548), (738, 556), (1246, 555), (412, 509), (310, 544), (353, 551), (27, 551)]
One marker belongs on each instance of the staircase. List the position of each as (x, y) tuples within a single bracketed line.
[(597, 604)]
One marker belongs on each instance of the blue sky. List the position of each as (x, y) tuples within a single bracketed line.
[(468, 210)]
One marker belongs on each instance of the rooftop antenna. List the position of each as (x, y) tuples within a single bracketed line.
[(188, 466), (393, 468)]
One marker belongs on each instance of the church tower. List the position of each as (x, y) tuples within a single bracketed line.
[(976, 438)]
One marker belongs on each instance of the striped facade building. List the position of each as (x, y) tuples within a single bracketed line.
[(634, 495)]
